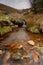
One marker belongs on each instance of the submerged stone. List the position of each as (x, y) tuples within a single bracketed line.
[(16, 56)]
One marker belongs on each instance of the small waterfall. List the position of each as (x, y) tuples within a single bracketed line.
[(24, 24)]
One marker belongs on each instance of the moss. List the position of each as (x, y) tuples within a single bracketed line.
[(4, 17), (4, 30), (33, 28)]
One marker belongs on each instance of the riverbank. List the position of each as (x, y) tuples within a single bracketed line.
[(22, 37)]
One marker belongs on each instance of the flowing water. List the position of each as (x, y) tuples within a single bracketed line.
[(17, 36), (21, 36)]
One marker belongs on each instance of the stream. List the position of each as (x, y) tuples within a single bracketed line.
[(21, 37)]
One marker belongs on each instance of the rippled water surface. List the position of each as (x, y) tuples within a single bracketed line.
[(22, 37)]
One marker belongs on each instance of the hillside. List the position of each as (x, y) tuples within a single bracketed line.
[(9, 9), (25, 14)]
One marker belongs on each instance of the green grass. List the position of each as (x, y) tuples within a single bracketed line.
[(4, 17), (40, 19), (5, 29)]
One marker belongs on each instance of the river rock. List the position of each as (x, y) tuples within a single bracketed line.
[(31, 42), (16, 56), (21, 46), (25, 57)]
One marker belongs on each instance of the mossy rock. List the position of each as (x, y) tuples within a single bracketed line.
[(34, 29), (4, 18), (4, 30)]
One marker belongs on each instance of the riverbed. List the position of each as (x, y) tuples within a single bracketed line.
[(21, 37), (22, 34)]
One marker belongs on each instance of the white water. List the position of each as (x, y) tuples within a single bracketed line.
[(18, 4)]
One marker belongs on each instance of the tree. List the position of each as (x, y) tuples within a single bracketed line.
[(37, 6)]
